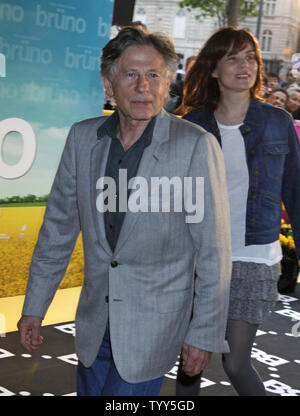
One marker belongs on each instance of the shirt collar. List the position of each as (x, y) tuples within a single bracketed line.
[(109, 127)]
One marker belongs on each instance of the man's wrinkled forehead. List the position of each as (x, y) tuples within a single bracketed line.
[(135, 57)]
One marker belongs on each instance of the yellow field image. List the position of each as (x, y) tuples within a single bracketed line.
[(19, 228)]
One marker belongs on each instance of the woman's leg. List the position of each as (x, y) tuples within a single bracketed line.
[(237, 363)]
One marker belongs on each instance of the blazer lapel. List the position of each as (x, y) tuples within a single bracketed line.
[(99, 155), (152, 154)]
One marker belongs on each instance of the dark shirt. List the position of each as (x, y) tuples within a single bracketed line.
[(296, 114), (117, 159)]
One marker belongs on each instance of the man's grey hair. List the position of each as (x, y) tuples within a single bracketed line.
[(293, 89), (130, 36)]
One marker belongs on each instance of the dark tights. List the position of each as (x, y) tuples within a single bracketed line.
[(237, 364)]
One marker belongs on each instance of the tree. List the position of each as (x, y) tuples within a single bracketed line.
[(233, 8), (29, 198), (228, 12)]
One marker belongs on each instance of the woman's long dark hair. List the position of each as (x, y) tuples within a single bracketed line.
[(200, 88)]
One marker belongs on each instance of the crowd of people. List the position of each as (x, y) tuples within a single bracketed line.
[(283, 93), (161, 283)]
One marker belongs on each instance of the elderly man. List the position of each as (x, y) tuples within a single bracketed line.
[(157, 271)]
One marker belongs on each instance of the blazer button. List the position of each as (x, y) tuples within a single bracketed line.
[(106, 299), (114, 263)]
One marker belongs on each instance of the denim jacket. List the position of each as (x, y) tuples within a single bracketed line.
[(273, 159)]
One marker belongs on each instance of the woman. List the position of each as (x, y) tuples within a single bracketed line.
[(262, 160)]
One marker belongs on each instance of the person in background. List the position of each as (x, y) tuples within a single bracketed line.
[(173, 103), (266, 92), (139, 290), (290, 79), (296, 115), (272, 81), (293, 106), (280, 97), (297, 127), (176, 88), (293, 103), (262, 161)]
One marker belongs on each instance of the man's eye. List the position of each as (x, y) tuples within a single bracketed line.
[(153, 75), (130, 74)]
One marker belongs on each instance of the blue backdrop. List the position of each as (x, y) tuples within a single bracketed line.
[(50, 79)]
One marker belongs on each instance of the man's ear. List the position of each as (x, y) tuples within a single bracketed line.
[(107, 86)]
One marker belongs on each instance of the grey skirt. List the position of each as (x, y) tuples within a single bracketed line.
[(253, 291)]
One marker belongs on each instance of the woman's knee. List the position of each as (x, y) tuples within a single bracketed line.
[(231, 366)]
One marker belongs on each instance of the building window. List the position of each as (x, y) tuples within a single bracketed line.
[(269, 7), (266, 41), (179, 25), (140, 15)]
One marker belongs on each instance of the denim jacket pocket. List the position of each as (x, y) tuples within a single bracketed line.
[(274, 155)]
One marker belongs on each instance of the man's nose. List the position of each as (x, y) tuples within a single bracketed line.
[(142, 83)]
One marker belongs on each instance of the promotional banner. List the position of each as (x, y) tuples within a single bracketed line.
[(49, 79)]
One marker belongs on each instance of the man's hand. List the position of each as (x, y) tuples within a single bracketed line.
[(194, 360), (29, 329)]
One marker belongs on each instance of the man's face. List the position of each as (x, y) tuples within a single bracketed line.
[(141, 84), (280, 99), (273, 83), (293, 102)]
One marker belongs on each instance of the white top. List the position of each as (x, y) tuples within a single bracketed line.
[(237, 178)]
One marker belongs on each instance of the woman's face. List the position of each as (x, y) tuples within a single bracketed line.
[(237, 71)]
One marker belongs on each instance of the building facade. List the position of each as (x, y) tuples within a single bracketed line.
[(279, 30)]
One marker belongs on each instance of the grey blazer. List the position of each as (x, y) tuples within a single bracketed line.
[(149, 279)]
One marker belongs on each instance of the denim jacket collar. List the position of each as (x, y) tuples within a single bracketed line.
[(254, 122)]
